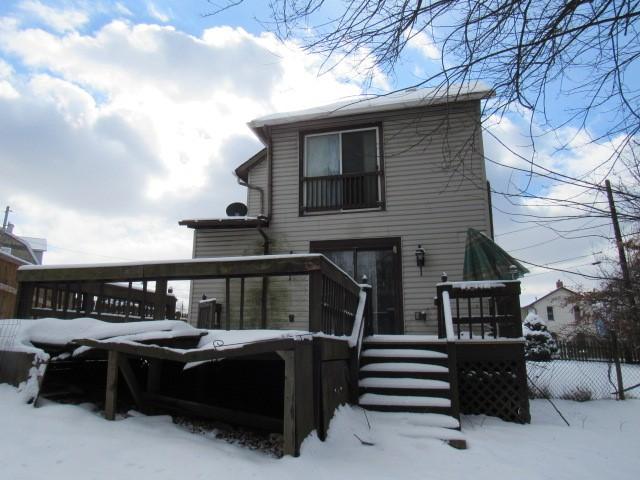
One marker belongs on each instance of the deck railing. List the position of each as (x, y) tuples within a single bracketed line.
[(88, 291), (342, 192), (480, 310), (108, 301)]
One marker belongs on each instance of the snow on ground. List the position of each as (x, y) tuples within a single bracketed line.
[(65, 441)]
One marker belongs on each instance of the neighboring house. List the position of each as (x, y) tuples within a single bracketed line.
[(38, 246), (556, 308), (14, 252), (369, 184)]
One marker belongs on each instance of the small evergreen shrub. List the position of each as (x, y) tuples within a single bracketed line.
[(540, 345)]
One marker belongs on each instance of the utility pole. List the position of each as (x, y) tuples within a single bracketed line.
[(623, 258), (626, 279), (5, 222)]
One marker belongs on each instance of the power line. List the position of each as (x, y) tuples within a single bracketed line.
[(585, 275)]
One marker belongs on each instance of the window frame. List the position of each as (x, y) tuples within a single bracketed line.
[(550, 318), (302, 166)]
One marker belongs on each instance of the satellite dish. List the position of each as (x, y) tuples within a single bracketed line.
[(237, 209)]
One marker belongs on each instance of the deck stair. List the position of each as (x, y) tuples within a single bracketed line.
[(410, 373)]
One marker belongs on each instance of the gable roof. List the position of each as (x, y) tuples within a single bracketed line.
[(19, 247), (410, 98), (548, 294), (242, 172)]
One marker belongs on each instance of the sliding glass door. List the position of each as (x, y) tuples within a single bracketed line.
[(379, 260)]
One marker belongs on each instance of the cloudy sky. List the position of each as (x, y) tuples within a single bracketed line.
[(117, 119)]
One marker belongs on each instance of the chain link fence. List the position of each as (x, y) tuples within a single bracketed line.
[(586, 371)]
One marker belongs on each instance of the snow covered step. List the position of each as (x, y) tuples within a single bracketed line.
[(439, 433), (403, 339), (403, 383), (402, 353), (377, 400), (401, 367), (434, 420)]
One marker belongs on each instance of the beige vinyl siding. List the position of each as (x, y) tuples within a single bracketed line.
[(257, 177), (226, 243), (430, 200)]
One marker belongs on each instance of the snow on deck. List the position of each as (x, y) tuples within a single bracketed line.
[(54, 331), (477, 284), (247, 258), (60, 333), (227, 339)]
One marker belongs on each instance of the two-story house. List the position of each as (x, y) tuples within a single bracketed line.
[(391, 188), (375, 185)]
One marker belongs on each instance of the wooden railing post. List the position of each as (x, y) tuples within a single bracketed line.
[(159, 300), (24, 301), (315, 301), (368, 312), (442, 332)]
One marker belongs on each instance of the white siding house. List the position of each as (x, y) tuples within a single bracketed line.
[(556, 308), (403, 172)]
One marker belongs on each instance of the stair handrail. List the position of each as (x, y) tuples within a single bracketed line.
[(357, 334), (448, 317)]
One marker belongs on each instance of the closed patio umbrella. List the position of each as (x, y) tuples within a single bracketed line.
[(485, 260)]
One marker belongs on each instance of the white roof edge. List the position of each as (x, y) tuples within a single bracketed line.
[(24, 242), (409, 98), (36, 243)]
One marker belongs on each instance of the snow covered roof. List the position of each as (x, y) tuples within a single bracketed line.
[(19, 247), (37, 244), (409, 98)]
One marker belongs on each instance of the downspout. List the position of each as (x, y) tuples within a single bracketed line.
[(490, 209), (260, 190), (265, 250), (265, 280)]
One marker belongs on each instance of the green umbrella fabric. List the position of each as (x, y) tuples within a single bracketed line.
[(485, 260)]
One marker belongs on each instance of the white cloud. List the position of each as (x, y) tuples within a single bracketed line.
[(61, 20), (116, 135), (156, 13), (424, 44), (122, 9)]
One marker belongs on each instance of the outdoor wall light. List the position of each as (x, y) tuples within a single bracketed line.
[(420, 256)]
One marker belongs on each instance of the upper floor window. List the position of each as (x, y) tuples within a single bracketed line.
[(550, 313), (341, 170)]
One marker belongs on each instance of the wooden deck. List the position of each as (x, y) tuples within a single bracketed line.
[(478, 352), (316, 374)]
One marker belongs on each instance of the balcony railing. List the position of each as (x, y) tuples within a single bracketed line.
[(348, 191), (479, 310)]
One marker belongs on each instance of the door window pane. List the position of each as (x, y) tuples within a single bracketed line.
[(322, 155), (343, 259), (377, 265)]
